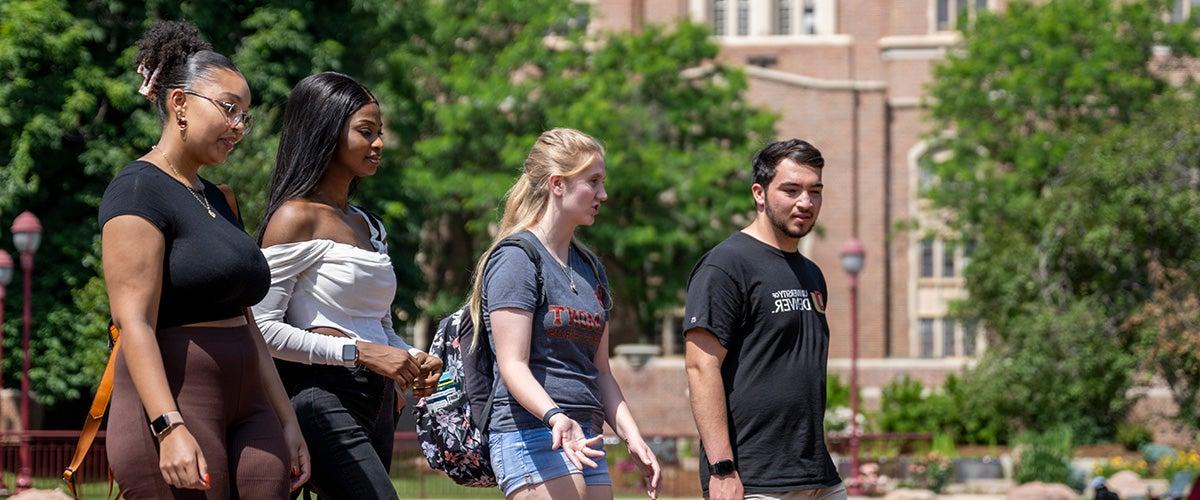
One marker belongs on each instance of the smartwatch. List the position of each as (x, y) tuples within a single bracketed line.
[(722, 468), (350, 353), (165, 422), (550, 414)]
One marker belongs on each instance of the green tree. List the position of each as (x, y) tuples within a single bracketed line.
[(70, 118), (1129, 219), (466, 86), (488, 80), (1054, 277)]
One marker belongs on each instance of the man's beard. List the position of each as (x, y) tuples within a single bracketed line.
[(780, 221)]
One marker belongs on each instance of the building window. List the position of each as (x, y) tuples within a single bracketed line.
[(943, 15), (927, 258), (924, 177), (968, 250), (948, 338), (926, 333), (743, 17), (947, 13), (1181, 10), (947, 261), (783, 17), (753, 18), (719, 8), (968, 341), (808, 18)]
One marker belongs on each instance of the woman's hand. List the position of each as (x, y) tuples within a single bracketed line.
[(393, 363), (568, 435), (647, 462), (299, 468), (180, 460), (431, 371)]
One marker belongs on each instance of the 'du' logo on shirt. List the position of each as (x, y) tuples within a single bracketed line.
[(818, 300), (796, 299)]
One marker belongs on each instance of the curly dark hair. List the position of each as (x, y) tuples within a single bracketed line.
[(180, 55)]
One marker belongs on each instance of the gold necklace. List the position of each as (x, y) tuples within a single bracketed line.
[(203, 200)]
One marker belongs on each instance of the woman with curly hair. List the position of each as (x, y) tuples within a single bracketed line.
[(197, 403)]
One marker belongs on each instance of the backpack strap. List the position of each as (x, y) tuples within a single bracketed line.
[(95, 415), (531, 251)]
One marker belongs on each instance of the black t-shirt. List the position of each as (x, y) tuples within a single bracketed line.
[(767, 307), (211, 268)]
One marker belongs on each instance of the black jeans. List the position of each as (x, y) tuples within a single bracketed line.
[(348, 417)]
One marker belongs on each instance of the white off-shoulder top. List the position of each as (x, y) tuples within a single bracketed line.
[(324, 283)]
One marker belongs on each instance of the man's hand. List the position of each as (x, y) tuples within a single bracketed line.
[(725, 487)]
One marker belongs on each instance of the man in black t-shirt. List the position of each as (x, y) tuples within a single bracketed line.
[(758, 340)]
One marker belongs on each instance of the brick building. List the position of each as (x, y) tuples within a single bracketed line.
[(849, 76)]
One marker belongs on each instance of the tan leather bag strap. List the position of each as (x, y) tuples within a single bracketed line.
[(95, 415), (104, 392)]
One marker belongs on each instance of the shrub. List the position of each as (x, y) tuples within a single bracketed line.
[(1045, 457), (1154, 452), (903, 407), (1133, 435), (931, 472), (943, 444), (978, 418), (837, 394)]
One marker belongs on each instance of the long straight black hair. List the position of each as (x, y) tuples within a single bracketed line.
[(317, 110)]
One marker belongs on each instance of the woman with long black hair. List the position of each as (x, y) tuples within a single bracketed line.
[(196, 402), (327, 316)]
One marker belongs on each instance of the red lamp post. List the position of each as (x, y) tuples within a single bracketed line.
[(853, 258), (27, 236), (6, 273)]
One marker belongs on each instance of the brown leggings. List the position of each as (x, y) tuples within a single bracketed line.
[(214, 376)]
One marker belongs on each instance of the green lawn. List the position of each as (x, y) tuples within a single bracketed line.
[(433, 486)]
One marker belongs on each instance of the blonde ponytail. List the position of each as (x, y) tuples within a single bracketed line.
[(560, 151)]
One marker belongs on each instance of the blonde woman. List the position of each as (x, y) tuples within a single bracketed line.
[(555, 390)]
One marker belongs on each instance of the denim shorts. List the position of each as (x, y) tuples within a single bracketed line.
[(523, 457)]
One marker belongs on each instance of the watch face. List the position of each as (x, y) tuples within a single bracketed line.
[(160, 425), (349, 352)]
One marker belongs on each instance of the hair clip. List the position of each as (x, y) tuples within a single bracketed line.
[(148, 78)]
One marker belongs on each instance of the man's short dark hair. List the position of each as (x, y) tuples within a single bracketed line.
[(796, 150)]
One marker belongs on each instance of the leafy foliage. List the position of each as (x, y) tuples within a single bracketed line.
[(1045, 457), (465, 86), (1067, 171)]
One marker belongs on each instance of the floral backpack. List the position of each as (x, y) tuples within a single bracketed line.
[(452, 422)]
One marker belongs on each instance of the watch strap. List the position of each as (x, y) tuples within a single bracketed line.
[(722, 467), (550, 414), (165, 422)]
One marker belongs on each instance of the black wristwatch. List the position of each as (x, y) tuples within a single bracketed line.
[(722, 468), (350, 353)]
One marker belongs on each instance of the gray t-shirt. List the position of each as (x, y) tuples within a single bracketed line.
[(567, 328)]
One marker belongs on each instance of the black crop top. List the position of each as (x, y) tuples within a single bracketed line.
[(211, 268)]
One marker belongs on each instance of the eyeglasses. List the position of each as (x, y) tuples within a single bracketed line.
[(233, 113)]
